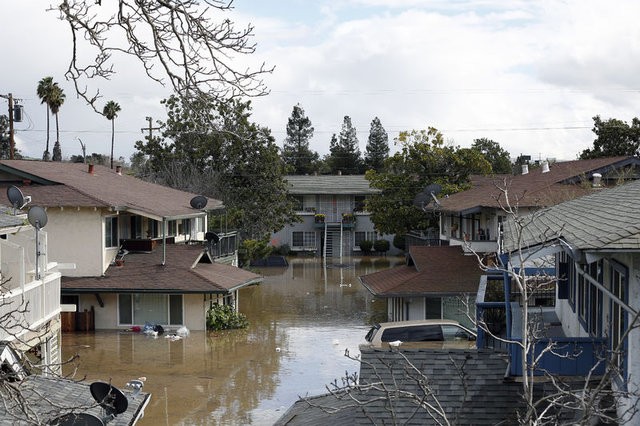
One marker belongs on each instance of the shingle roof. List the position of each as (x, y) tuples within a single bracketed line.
[(47, 398), (329, 185), (605, 220), (431, 270), (468, 384), (144, 272), (536, 188), (53, 184)]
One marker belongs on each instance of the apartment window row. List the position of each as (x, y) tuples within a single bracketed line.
[(141, 308), (303, 239), (360, 236)]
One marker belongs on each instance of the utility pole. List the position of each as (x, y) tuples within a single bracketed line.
[(9, 97), (150, 128)]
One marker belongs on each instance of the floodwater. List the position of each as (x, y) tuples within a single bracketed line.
[(302, 318)]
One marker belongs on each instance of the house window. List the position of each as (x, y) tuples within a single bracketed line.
[(595, 300), (583, 297), (172, 227), (136, 227), (141, 308), (303, 239), (298, 203), (184, 227), (432, 308), (111, 231), (360, 203), (360, 236), (572, 284), (618, 286)]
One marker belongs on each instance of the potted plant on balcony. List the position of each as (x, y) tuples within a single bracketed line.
[(348, 218), (319, 218)]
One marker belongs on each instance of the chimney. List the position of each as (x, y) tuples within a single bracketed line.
[(119, 170), (545, 167), (597, 180), (90, 169), (525, 169)]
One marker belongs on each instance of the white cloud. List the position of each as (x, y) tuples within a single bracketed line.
[(529, 75)]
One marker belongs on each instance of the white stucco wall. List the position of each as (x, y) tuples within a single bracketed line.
[(76, 236)]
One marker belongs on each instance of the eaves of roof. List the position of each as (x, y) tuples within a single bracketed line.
[(146, 273), (439, 270), (53, 184)]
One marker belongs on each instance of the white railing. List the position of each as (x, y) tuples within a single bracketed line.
[(26, 302)]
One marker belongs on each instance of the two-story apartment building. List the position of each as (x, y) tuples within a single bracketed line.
[(333, 217), (473, 218), (103, 222)]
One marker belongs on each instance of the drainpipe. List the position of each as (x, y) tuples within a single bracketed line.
[(164, 240)]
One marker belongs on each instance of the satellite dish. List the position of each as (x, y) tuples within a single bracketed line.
[(212, 237), (77, 419), (110, 398), (37, 217), (199, 202), (16, 198), (428, 194)]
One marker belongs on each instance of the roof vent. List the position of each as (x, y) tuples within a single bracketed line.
[(545, 167), (525, 169), (597, 180)]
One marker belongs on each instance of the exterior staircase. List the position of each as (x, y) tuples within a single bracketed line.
[(333, 233)]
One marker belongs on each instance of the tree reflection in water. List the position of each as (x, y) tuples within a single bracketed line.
[(302, 318)]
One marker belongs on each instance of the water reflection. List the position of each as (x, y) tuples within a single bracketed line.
[(302, 318)]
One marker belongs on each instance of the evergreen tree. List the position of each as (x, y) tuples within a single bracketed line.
[(296, 153), (345, 154), (377, 149)]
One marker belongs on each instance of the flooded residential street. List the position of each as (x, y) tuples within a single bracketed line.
[(302, 318)]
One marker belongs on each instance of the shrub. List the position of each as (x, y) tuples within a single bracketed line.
[(283, 250), (399, 242), (224, 317), (252, 250), (381, 246), (366, 246)]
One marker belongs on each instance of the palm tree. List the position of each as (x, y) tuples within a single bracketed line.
[(44, 93), (110, 111), (56, 100)]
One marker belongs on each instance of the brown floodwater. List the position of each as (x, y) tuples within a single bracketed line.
[(302, 318)]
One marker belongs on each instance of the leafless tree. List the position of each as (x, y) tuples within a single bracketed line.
[(188, 45), (545, 398)]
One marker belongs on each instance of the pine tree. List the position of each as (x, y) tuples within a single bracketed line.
[(377, 149), (296, 153), (345, 154)]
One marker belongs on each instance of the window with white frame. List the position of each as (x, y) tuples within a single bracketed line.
[(141, 308), (111, 231), (360, 236), (172, 228), (618, 286), (303, 239)]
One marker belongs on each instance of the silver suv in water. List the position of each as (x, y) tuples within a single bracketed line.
[(438, 334)]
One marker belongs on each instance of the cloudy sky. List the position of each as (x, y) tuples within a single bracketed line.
[(527, 74)]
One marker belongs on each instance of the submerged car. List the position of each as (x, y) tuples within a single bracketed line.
[(438, 334)]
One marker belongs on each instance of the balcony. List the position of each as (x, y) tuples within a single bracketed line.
[(31, 302), (558, 354)]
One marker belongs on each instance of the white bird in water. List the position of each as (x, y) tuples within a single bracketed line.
[(395, 343), (336, 342), (277, 349)]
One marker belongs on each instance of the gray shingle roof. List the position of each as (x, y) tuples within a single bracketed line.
[(606, 220), (329, 185), (47, 398), (468, 384)]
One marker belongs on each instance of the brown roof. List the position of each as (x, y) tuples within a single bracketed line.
[(144, 272), (534, 189), (429, 271), (55, 184)]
